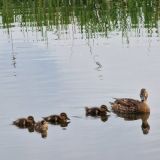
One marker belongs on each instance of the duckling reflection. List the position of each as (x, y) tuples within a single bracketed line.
[(30, 129), (143, 116), (44, 134), (104, 118), (65, 124)]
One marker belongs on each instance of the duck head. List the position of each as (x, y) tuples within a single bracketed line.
[(103, 108), (31, 119), (64, 116), (143, 94), (43, 122)]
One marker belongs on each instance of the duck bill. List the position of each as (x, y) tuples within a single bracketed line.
[(68, 118)]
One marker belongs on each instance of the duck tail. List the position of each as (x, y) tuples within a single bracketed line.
[(14, 123), (111, 103), (45, 118), (87, 110)]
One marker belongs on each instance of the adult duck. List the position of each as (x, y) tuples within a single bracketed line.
[(128, 105)]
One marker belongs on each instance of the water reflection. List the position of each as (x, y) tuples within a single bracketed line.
[(44, 134), (132, 117), (91, 17), (31, 129), (63, 124), (103, 118)]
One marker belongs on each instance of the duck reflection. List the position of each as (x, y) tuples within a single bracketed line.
[(30, 129), (131, 117), (44, 134), (104, 118), (62, 124)]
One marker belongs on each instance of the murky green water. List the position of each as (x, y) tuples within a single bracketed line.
[(62, 55)]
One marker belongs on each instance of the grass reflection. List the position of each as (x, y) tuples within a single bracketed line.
[(93, 17)]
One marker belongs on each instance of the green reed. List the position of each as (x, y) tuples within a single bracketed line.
[(91, 16)]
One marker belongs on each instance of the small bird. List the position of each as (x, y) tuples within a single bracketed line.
[(41, 126), (24, 122), (128, 105), (96, 111), (57, 119)]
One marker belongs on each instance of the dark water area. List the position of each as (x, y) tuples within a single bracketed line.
[(60, 56)]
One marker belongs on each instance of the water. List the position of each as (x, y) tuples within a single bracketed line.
[(62, 56)]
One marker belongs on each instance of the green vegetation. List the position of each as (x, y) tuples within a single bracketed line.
[(91, 16)]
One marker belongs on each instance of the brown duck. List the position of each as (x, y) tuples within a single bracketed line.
[(128, 105), (96, 111), (24, 122), (57, 119), (41, 126)]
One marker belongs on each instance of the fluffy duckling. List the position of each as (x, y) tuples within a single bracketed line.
[(95, 111), (24, 122), (41, 126), (128, 105), (59, 119)]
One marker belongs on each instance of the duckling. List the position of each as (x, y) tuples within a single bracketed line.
[(24, 122), (95, 111), (128, 105), (64, 124), (41, 126), (59, 119)]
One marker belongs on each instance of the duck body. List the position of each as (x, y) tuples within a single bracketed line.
[(96, 111), (57, 119), (24, 122), (41, 126), (128, 105)]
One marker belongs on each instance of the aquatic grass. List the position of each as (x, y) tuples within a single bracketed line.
[(93, 17)]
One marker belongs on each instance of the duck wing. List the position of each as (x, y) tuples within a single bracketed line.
[(92, 111), (126, 102), (51, 118), (125, 105)]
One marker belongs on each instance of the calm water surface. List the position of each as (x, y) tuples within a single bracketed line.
[(62, 56)]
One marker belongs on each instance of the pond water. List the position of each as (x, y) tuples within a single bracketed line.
[(60, 56)]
